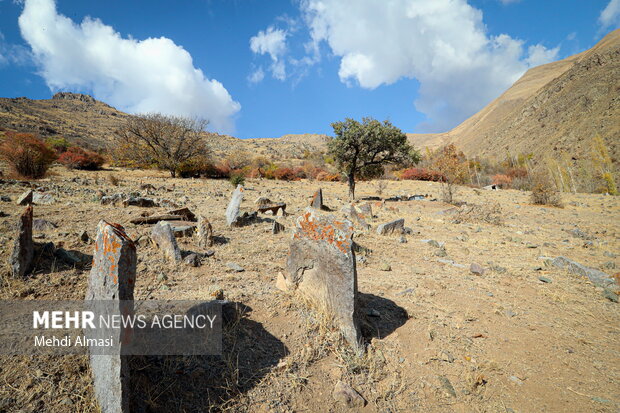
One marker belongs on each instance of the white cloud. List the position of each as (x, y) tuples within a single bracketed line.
[(509, 1), (610, 16), (13, 53), (151, 75), (257, 76), (272, 42), (441, 43)]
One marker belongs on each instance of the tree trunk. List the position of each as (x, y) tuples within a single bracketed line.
[(351, 181)]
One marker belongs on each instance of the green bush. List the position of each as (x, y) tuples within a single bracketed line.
[(237, 180)]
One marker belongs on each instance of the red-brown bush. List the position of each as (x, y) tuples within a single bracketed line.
[(517, 172), (27, 155), (78, 158), (287, 174), (501, 180), (422, 174), (327, 177)]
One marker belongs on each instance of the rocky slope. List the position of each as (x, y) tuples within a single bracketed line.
[(552, 109)]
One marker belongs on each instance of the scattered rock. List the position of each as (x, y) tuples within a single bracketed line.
[(391, 227), (277, 227), (41, 198), (140, 202), (262, 201), (181, 228), (25, 198), (183, 214), (351, 213), (23, 249), (516, 380), (235, 267), (205, 232), (477, 269), (42, 225), (545, 280), (386, 267), (115, 199), (610, 295), (193, 260), (163, 236), (273, 208), (346, 394), (321, 266), (598, 278), (445, 383), (366, 209), (84, 237)]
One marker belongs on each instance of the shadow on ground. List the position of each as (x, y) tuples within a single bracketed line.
[(380, 316), (206, 383)]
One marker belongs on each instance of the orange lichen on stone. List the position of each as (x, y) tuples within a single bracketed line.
[(335, 234)]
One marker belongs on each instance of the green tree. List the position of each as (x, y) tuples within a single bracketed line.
[(361, 150)]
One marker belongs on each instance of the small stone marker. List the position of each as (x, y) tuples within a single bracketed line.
[(23, 250), (476, 268), (397, 226), (112, 278), (205, 232), (232, 212), (317, 200), (25, 198), (277, 227), (163, 236), (347, 395), (321, 266)]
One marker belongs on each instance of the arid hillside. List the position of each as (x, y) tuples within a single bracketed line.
[(552, 109)]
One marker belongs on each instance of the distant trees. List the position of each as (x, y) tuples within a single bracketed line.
[(452, 165), (163, 141), (361, 150)]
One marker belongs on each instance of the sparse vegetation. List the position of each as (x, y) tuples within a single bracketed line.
[(361, 150), (452, 165), (543, 190), (164, 141), (27, 156), (237, 180)]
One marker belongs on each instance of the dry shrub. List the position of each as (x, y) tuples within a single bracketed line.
[(325, 176), (472, 213), (194, 167), (503, 181), (421, 174), (517, 172), (288, 174), (543, 190), (27, 156), (78, 158), (114, 180)]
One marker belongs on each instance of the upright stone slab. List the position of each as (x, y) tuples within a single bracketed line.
[(205, 232), (163, 235), (232, 212), (112, 279), (396, 226), (351, 212), (23, 249), (25, 198), (321, 266), (317, 200)]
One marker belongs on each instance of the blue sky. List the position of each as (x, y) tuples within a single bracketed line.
[(258, 68)]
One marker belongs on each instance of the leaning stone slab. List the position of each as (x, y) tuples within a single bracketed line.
[(396, 226), (112, 278), (277, 227), (205, 232), (321, 266), (163, 235), (232, 212), (317, 200), (598, 278), (23, 249), (351, 212), (25, 198)]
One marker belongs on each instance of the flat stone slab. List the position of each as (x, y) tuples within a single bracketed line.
[(396, 226), (182, 228), (321, 267), (274, 208), (112, 278), (598, 278)]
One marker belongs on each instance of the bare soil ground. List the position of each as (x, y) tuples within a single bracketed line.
[(442, 339)]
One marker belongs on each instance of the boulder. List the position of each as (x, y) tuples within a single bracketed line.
[(396, 226), (477, 269), (321, 267), (232, 212), (112, 278), (23, 249), (163, 236), (205, 232)]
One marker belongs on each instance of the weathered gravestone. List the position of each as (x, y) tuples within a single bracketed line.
[(205, 232), (321, 266), (351, 212), (317, 200), (277, 227), (112, 279), (163, 235), (25, 198), (232, 212), (396, 226), (23, 250)]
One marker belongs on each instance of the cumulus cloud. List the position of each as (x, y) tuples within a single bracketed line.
[(441, 43), (151, 75), (13, 53), (273, 43), (257, 75), (610, 16)]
